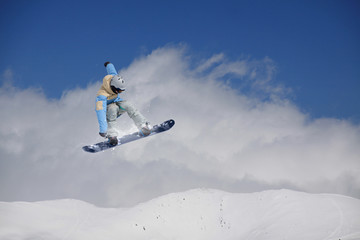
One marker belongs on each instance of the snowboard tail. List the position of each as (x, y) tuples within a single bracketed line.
[(102, 146)]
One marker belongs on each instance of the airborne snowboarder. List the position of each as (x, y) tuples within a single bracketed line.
[(109, 106)]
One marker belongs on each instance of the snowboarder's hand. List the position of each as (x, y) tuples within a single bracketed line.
[(103, 134), (106, 63)]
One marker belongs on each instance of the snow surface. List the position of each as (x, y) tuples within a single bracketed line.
[(195, 214)]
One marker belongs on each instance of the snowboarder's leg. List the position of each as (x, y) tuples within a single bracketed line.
[(140, 121), (111, 114)]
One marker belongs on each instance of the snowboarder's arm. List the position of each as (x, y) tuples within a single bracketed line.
[(101, 103), (110, 68)]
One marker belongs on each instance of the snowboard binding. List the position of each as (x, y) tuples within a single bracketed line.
[(145, 129), (113, 141)]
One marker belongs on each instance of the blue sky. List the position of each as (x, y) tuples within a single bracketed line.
[(60, 45)]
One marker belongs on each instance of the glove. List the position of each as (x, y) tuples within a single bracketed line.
[(106, 63), (103, 134)]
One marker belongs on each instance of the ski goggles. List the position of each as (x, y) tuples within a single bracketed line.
[(117, 90)]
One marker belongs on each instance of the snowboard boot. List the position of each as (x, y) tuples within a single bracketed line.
[(145, 129), (113, 141)]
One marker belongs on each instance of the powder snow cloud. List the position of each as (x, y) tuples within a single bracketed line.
[(245, 139)]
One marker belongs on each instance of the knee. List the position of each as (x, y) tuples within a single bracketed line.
[(112, 112), (127, 106)]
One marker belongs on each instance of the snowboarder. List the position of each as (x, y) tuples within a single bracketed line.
[(109, 106)]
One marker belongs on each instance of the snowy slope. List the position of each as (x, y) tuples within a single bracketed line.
[(196, 214)]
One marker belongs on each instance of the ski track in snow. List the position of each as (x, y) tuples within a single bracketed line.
[(76, 226), (196, 214), (341, 221)]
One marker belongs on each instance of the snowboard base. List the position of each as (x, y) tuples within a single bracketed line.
[(102, 146)]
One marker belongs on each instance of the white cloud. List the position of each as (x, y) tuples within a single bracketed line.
[(223, 138)]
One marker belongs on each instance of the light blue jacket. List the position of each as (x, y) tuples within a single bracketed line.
[(105, 96)]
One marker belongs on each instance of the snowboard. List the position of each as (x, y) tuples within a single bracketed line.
[(102, 146)]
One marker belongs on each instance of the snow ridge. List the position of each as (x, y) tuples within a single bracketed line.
[(195, 214)]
